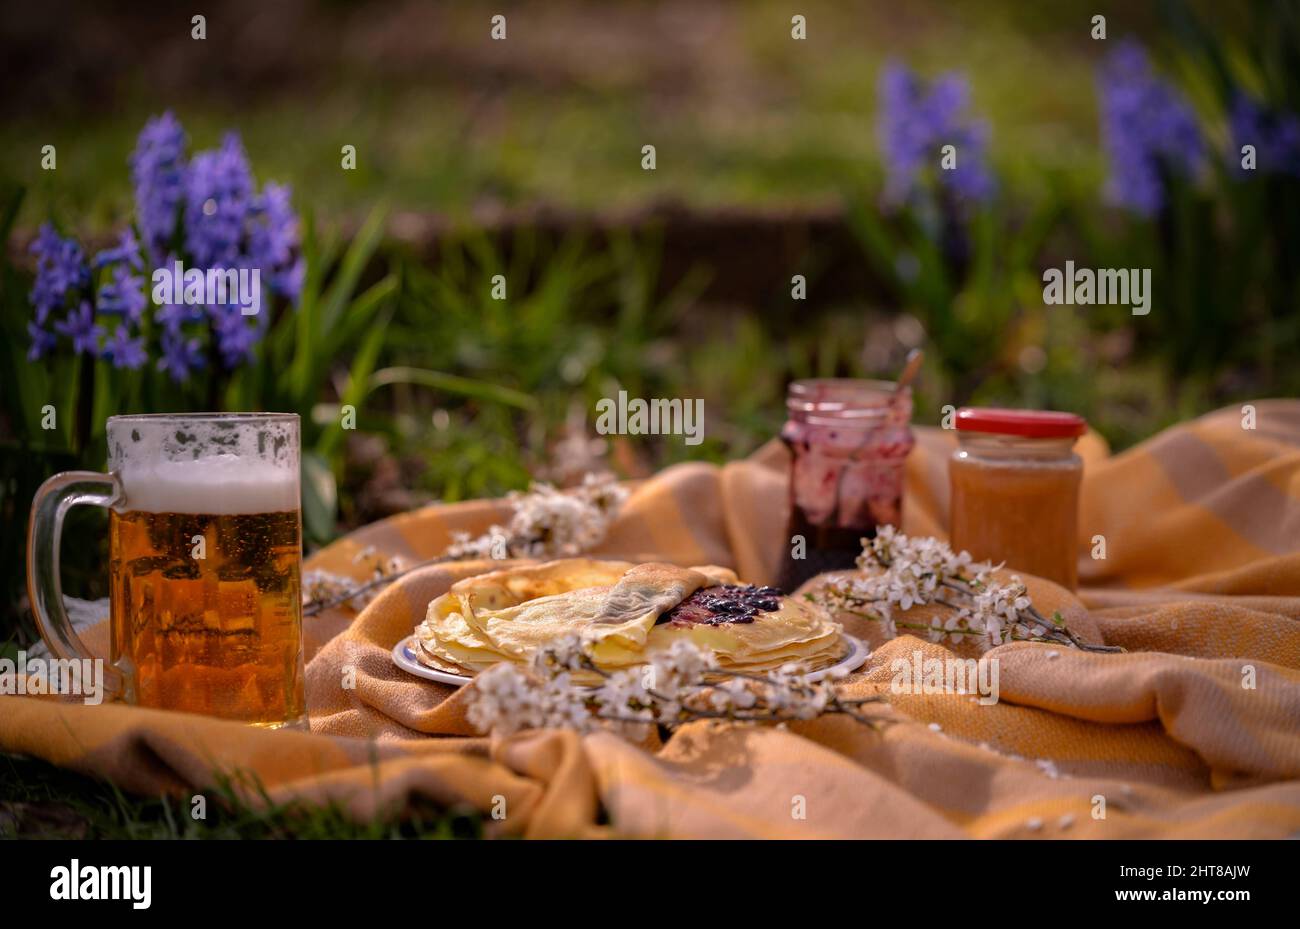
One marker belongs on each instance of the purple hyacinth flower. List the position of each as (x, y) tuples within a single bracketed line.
[(273, 240), (158, 172), (236, 338), (916, 120), (219, 198), (61, 271), (123, 350), (180, 356), (124, 294), (81, 328), (173, 316), (273, 232), (290, 280), (42, 342), (127, 251), (1148, 130), (1274, 133)]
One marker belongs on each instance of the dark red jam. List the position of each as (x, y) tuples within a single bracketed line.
[(729, 603)]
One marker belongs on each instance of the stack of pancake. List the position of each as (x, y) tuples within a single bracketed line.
[(625, 614)]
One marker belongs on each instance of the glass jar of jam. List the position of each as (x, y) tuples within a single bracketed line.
[(849, 440), (1015, 490)]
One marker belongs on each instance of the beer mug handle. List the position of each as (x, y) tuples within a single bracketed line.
[(44, 535)]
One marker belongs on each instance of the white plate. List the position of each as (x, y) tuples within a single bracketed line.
[(404, 658)]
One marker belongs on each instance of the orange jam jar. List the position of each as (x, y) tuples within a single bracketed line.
[(1015, 490)]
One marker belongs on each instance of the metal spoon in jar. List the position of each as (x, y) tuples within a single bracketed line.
[(911, 367)]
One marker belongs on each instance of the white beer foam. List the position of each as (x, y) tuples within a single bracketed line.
[(220, 485)]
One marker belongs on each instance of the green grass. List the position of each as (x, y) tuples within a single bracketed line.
[(39, 800), (740, 113)]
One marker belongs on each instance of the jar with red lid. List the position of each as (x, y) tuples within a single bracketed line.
[(1015, 490), (849, 440)]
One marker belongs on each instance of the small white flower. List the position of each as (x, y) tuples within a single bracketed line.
[(565, 652), (738, 693), (547, 522)]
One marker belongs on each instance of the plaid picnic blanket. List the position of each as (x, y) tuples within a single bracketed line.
[(1194, 732)]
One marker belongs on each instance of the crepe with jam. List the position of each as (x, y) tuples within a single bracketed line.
[(625, 613)]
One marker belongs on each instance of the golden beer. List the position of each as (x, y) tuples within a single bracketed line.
[(210, 612)]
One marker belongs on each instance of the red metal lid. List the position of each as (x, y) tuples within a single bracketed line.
[(1033, 424)]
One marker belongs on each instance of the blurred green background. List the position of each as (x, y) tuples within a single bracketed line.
[(523, 158)]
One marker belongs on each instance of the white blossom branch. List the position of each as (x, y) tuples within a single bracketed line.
[(545, 523), (681, 685), (897, 572)]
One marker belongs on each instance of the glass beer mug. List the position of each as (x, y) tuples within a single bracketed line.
[(205, 561)]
